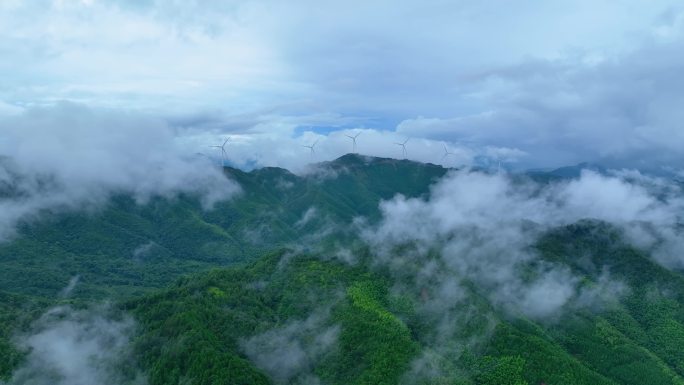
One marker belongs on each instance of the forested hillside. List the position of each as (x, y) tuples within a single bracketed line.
[(209, 327), (338, 276), (128, 247)]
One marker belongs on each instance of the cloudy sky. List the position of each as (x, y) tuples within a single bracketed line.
[(528, 83)]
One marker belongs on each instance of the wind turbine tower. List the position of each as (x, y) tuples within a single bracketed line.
[(403, 147), (353, 138)]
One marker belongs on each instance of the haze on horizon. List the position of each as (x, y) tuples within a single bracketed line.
[(526, 83)]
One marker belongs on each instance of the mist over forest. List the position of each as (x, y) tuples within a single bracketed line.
[(362, 269), (239, 192)]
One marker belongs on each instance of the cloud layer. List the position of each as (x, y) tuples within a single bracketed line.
[(73, 157), (561, 83)]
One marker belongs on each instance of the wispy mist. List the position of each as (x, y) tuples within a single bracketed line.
[(288, 353), (78, 347), (476, 236), (483, 227)]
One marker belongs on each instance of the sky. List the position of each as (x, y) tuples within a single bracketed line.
[(526, 83)]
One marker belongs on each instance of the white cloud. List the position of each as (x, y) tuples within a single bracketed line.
[(619, 110), (484, 226), (72, 157), (285, 147), (562, 82)]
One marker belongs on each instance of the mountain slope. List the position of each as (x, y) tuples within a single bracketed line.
[(614, 345), (280, 286), (127, 248)]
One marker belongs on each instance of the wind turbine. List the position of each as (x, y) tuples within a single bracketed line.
[(403, 146), (353, 138), (223, 151), (446, 152), (311, 147)]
